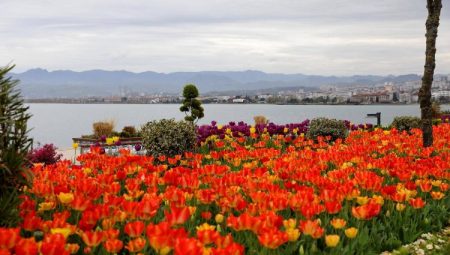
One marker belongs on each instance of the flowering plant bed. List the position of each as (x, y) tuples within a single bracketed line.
[(428, 243), (276, 194)]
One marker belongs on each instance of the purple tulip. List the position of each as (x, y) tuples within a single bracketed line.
[(138, 147)]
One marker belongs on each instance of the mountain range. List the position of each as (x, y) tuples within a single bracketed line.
[(40, 83)]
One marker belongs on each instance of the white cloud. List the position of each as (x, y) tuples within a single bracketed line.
[(339, 37)]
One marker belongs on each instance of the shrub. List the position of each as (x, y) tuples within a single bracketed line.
[(260, 120), (46, 154), (168, 137), (405, 123), (327, 127), (14, 146), (103, 128), (128, 131)]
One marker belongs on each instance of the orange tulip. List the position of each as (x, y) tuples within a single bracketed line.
[(338, 223), (333, 207), (92, 238), (437, 195), (113, 245), (312, 228), (417, 203), (177, 216), (136, 244), (134, 229), (54, 244), (272, 238), (188, 246), (367, 211), (9, 237), (26, 246)]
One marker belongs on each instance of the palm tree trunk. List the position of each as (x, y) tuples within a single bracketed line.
[(432, 24)]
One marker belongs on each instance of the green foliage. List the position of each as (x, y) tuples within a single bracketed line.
[(192, 107), (128, 131), (9, 211), (406, 123), (14, 145), (327, 127), (168, 137)]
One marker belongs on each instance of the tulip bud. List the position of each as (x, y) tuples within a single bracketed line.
[(301, 250), (219, 218)]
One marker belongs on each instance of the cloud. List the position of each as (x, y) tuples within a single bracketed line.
[(339, 37)]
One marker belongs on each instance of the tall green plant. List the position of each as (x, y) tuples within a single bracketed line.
[(14, 146), (192, 107)]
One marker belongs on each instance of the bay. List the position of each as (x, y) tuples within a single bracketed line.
[(59, 123)]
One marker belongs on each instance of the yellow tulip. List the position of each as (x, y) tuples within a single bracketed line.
[(378, 199), (205, 226), (109, 141), (45, 206), (75, 145), (362, 200), (351, 232), (332, 240), (219, 218), (65, 198), (293, 234), (289, 223), (400, 207), (64, 231)]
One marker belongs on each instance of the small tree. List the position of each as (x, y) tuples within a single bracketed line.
[(192, 107), (14, 147)]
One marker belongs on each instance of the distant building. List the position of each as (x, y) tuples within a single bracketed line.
[(239, 100), (370, 98)]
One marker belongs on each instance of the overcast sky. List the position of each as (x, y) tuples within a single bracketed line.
[(326, 37)]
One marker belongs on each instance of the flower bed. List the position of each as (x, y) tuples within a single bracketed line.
[(278, 195), (242, 129)]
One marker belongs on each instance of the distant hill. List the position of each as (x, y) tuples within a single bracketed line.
[(40, 83)]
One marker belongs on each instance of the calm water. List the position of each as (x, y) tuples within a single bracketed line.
[(58, 123)]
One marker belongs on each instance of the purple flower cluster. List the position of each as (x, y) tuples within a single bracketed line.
[(243, 129), (445, 118)]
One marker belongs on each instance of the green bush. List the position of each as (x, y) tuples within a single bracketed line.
[(168, 137), (327, 127), (405, 123), (14, 147), (128, 131)]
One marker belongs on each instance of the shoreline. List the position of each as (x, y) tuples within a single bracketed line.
[(137, 103)]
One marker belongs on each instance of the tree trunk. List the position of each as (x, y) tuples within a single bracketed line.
[(432, 24)]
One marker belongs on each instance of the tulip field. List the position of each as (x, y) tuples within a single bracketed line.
[(256, 194)]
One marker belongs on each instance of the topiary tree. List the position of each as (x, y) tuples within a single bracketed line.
[(192, 107), (14, 147)]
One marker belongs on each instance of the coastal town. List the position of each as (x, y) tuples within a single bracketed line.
[(384, 93)]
